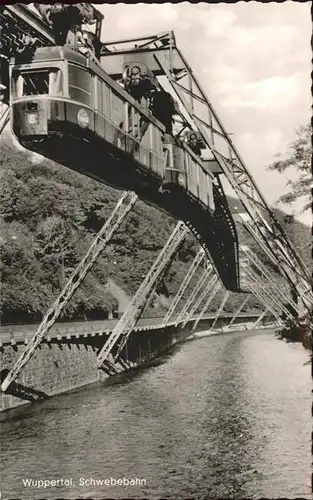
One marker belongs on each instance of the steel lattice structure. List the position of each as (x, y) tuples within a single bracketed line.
[(206, 305), (124, 205), (131, 315), (190, 301), (298, 281), (220, 309), (259, 288), (194, 266), (201, 296), (238, 311), (254, 260), (199, 114)]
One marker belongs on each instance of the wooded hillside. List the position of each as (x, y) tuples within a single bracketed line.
[(49, 216)]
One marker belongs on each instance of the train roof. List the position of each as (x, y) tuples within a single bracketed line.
[(54, 54), (42, 54)]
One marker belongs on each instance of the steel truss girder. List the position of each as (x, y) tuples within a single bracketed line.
[(224, 152), (151, 42), (204, 277), (252, 257), (220, 309), (267, 299), (191, 271), (207, 303), (21, 31), (259, 319), (263, 299), (267, 291), (238, 311), (130, 317), (201, 298), (298, 282), (122, 208)]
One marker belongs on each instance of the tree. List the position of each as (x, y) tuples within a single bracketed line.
[(299, 158)]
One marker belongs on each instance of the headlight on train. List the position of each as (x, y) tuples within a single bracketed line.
[(83, 118), (181, 179)]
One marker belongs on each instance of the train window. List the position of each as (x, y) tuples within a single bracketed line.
[(79, 81), (135, 124), (36, 83), (99, 95), (106, 93), (158, 142), (40, 82), (117, 109), (55, 83)]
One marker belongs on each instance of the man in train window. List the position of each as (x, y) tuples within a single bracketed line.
[(163, 108)]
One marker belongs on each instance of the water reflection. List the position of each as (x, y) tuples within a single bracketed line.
[(224, 416)]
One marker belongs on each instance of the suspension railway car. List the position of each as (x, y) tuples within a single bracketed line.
[(67, 108)]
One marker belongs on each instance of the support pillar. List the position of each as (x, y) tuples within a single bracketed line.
[(124, 205), (252, 258), (271, 298), (264, 300), (194, 266), (201, 297), (220, 309), (297, 281), (131, 315), (206, 305), (259, 319), (205, 276), (240, 308)]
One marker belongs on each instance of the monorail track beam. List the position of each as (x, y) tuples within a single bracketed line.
[(167, 60)]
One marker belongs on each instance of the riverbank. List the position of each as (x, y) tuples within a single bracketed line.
[(297, 332), (67, 359)]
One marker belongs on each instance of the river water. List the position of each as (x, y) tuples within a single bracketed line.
[(221, 416)]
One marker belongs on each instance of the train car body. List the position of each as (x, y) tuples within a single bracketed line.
[(67, 108)]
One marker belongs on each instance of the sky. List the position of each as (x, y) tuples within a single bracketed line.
[(252, 59)]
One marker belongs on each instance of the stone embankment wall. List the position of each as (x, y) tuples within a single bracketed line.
[(64, 362)]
